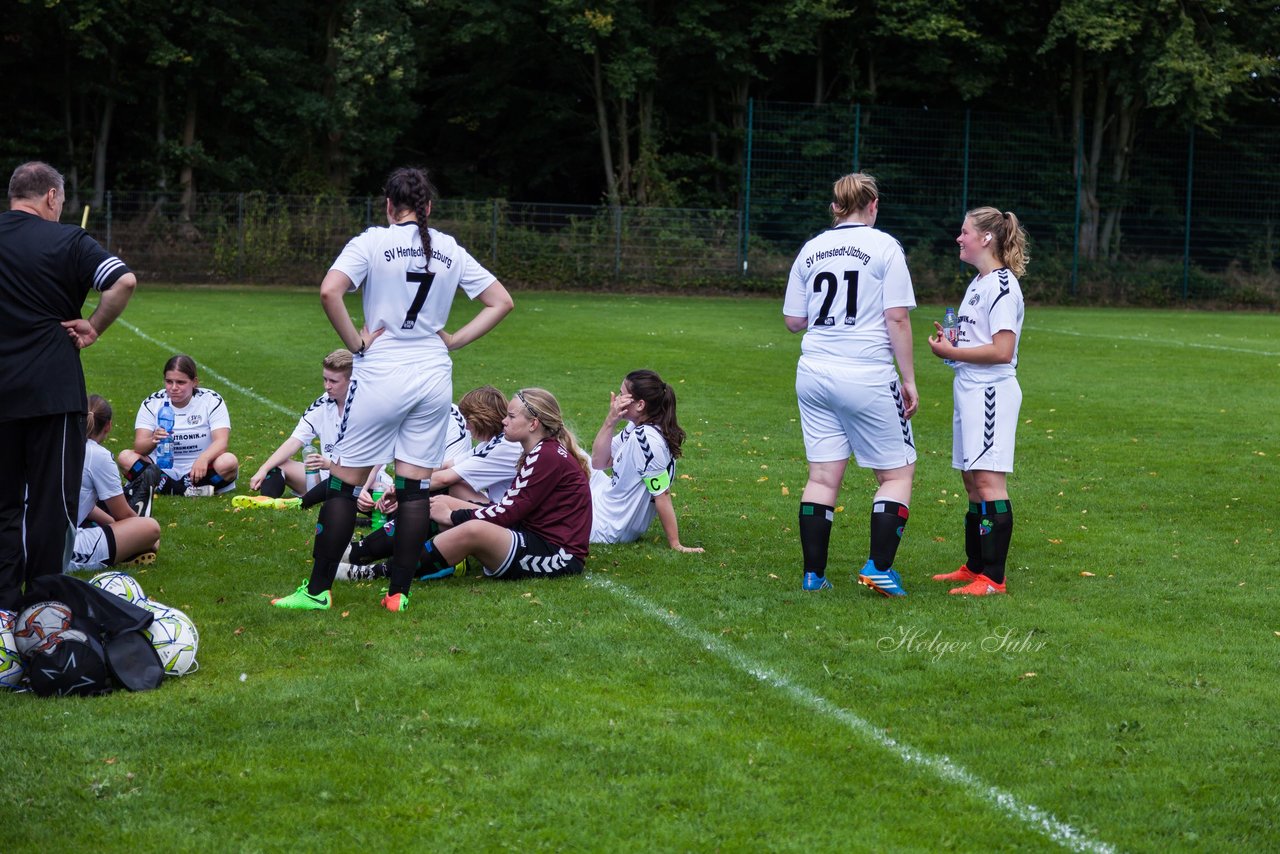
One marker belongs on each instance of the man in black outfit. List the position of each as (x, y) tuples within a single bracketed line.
[(46, 271)]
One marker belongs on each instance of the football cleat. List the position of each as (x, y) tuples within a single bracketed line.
[(246, 501), (885, 582), (287, 503), (961, 574), (362, 572), (205, 491), (980, 586), (436, 574), (301, 600), (144, 559), (813, 581), (396, 602)]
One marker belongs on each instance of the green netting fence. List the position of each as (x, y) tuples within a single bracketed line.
[(1191, 214)]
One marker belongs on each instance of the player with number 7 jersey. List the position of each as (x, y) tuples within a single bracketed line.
[(398, 403)]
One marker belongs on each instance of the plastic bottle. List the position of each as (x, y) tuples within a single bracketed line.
[(377, 518), (312, 469), (950, 330), (164, 450)]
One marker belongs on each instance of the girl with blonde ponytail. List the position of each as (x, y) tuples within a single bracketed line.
[(541, 525), (986, 393)]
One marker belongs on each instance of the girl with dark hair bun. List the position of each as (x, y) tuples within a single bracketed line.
[(202, 465), (109, 532), (398, 405), (642, 458)]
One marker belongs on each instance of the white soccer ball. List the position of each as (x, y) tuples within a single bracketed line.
[(175, 638), (121, 584), (11, 667), (38, 622)]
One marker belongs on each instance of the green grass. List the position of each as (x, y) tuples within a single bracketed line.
[(702, 702)]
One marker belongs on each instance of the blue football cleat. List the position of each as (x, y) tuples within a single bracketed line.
[(813, 581), (885, 582)]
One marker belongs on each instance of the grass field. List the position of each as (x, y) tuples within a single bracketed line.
[(1123, 697)]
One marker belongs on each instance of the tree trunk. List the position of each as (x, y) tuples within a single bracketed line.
[(647, 155), (625, 190), (602, 121), (1126, 129), (819, 86), (100, 149), (714, 139), (187, 178)]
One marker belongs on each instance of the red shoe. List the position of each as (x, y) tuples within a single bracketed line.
[(961, 574), (980, 586)]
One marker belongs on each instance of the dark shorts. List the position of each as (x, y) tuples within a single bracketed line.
[(531, 556)]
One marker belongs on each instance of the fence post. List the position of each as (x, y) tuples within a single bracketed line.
[(240, 236), (617, 241), (1075, 240), (108, 220), (857, 136), (745, 228), (493, 230), (964, 183), (1186, 228)]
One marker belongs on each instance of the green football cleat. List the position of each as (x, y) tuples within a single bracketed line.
[(301, 600), (398, 602)]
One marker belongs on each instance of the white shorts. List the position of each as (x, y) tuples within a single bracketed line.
[(396, 412), (853, 410), (983, 424), (92, 549)]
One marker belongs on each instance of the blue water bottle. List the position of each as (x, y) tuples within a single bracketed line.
[(164, 450)]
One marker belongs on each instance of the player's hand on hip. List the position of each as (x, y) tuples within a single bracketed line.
[(81, 332)]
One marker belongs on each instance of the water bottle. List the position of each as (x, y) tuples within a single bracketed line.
[(377, 518), (164, 450), (951, 331), (312, 468)]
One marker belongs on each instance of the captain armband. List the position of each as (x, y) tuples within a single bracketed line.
[(658, 483)]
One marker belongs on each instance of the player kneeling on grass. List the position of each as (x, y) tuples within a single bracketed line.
[(111, 533), (850, 293), (643, 459), (480, 475), (322, 421), (542, 524), (986, 392), (202, 465)]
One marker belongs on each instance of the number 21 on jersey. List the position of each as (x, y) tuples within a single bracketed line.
[(827, 283)]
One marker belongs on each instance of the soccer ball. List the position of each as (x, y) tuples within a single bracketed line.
[(121, 584), (175, 638), (38, 622), (11, 666)]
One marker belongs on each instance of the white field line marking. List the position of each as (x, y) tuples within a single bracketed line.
[(1152, 339), (1029, 814), (206, 370), (1039, 820)]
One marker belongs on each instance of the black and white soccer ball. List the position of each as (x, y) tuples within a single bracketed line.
[(121, 584), (38, 622), (175, 638), (12, 668)]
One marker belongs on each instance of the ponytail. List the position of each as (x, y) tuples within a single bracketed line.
[(659, 406), (1010, 237), (98, 416)]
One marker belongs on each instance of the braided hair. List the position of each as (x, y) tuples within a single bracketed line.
[(410, 189)]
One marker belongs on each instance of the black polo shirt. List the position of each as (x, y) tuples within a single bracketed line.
[(46, 271)]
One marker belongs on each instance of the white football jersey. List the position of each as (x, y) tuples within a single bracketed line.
[(490, 467), (843, 280), (100, 480), (193, 425), (405, 295), (993, 303), (458, 440), (622, 505), (321, 421)]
